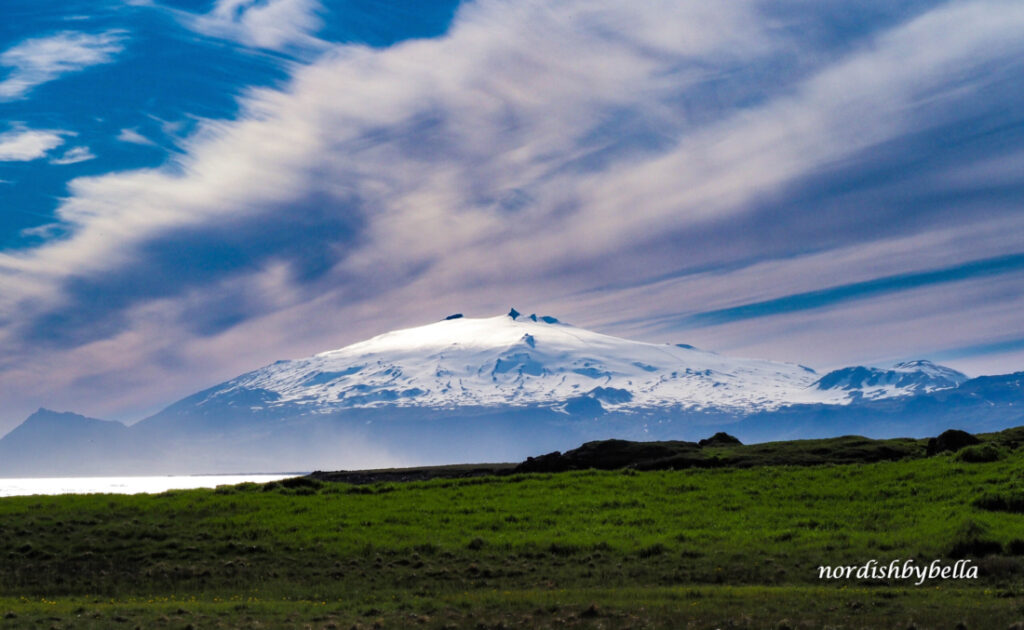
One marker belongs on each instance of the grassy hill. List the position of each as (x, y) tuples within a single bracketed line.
[(736, 545)]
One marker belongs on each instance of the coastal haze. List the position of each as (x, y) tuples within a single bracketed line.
[(123, 485)]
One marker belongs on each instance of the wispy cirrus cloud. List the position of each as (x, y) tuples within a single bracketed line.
[(74, 155), (23, 145), (39, 60), (626, 168), (132, 136), (832, 296), (270, 24)]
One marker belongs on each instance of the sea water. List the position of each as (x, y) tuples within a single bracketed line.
[(126, 485)]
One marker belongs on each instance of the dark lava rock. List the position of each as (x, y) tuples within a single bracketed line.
[(720, 439), (610, 455), (951, 440), (551, 462)]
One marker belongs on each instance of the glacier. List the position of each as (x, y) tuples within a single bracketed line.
[(503, 388), (515, 360)]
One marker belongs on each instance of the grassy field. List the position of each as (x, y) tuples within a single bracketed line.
[(701, 548)]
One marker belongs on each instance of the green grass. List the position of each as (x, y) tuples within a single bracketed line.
[(709, 547), (630, 607)]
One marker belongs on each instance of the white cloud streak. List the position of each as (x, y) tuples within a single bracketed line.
[(132, 136), (270, 24), (23, 145), (43, 59), (488, 169), (74, 155)]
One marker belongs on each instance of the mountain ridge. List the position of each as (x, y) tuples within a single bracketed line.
[(521, 360), (503, 388)]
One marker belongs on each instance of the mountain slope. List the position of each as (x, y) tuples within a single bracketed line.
[(518, 361), (910, 377), (500, 389), (64, 442)]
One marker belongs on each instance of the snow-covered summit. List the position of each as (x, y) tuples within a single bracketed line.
[(909, 377), (519, 360), (454, 331)]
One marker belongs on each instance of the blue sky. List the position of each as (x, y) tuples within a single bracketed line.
[(189, 190)]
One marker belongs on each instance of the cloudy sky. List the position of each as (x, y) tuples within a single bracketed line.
[(191, 189)]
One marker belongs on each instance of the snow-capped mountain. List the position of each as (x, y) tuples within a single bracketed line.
[(516, 360), (500, 389), (902, 379)]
